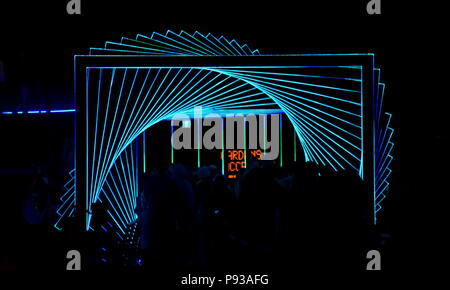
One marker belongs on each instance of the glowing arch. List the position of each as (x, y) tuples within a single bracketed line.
[(333, 101)]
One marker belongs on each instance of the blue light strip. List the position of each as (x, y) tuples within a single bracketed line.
[(63, 111), (120, 192), (144, 152), (38, 112)]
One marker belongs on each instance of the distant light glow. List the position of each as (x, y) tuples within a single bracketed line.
[(62, 111), (38, 111)]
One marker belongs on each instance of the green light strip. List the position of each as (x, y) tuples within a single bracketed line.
[(198, 142), (245, 144), (295, 146), (281, 140), (223, 150), (171, 145), (144, 166), (264, 124)]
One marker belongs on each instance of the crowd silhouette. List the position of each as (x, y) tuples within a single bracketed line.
[(266, 219)]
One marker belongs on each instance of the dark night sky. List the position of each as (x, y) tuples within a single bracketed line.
[(39, 40)]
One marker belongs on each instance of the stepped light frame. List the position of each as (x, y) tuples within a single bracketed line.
[(84, 63), (183, 51)]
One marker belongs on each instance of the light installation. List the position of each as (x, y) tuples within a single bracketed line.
[(21, 112), (334, 102)]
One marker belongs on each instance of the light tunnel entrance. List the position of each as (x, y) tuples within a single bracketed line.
[(333, 103), (158, 152), (122, 103)]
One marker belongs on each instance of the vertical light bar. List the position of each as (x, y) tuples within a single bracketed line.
[(295, 146), (223, 149), (265, 128), (198, 142), (144, 166), (281, 140), (361, 167), (245, 144), (171, 143), (88, 200)]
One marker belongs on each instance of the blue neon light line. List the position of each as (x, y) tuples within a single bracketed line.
[(220, 51), (126, 103), (201, 50), (305, 127), (124, 137), (177, 49), (308, 106), (260, 78), (127, 206), (275, 94), (131, 175), (100, 171), (62, 111), (267, 85), (126, 189), (145, 46), (209, 48), (92, 183), (120, 228), (107, 151), (144, 153), (307, 134), (314, 142), (124, 214), (256, 72), (38, 111), (182, 45)]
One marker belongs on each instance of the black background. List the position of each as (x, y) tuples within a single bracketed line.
[(38, 41)]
